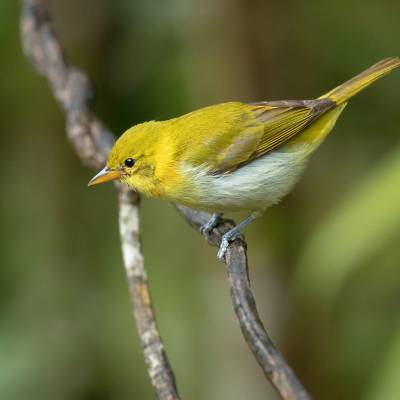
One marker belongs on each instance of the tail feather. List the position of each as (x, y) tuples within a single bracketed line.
[(350, 88)]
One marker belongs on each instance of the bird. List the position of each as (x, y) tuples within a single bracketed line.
[(233, 156)]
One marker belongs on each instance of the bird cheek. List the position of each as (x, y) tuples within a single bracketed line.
[(147, 171), (133, 175), (129, 180)]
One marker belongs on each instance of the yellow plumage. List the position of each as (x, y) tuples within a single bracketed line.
[(231, 156)]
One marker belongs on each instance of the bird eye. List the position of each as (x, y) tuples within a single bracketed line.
[(129, 162)]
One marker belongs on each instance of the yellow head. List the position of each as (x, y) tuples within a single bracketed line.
[(132, 159)]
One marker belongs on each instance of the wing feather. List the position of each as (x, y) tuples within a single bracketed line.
[(274, 123)]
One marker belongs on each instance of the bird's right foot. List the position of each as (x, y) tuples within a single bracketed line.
[(206, 229)]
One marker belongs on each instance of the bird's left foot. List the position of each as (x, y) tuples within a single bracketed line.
[(226, 239), (206, 229)]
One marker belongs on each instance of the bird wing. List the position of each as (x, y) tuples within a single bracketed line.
[(269, 125)]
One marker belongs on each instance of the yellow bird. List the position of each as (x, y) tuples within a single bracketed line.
[(231, 156)]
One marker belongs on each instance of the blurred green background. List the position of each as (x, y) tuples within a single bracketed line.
[(324, 263)]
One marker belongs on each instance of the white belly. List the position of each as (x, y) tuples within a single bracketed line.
[(254, 186)]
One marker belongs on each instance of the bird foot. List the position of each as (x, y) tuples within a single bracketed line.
[(206, 229), (226, 239)]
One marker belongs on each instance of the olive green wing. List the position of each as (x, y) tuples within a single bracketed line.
[(270, 125)]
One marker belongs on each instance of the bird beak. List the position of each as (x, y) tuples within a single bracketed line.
[(105, 175)]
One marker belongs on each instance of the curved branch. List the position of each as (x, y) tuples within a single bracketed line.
[(92, 142), (268, 356)]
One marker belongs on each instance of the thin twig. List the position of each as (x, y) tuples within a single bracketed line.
[(92, 142), (157, 362)]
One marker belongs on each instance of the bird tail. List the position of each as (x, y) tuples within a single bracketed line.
[(350, 88)]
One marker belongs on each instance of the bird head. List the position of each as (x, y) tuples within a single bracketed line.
[(131, 158)]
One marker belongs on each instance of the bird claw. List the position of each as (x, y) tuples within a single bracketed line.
[(222, 249), (206, 229), (226, 239)]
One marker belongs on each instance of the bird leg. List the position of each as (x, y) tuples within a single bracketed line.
[(233, 234), (206, 229)]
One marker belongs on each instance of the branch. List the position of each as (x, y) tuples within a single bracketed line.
[(92, 142), (268, 356), (157, 362)]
